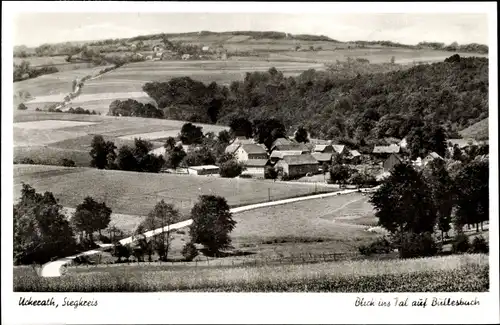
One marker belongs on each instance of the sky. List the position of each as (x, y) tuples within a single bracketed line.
[(33, 29)]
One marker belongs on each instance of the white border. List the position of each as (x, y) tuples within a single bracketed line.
[(241, 308)]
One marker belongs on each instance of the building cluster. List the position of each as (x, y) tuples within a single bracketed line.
[(208, 53)]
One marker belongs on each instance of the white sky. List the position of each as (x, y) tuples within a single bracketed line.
[(33, 29)]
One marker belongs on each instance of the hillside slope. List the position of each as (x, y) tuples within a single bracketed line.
[(478, 131)]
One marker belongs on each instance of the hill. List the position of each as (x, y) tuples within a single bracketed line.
[(478, 131)]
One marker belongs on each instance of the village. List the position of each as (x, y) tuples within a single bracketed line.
[(293, 160)]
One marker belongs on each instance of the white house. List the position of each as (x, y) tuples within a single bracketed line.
[(250, 151), (205, 48), (430, 157), (256, 167)]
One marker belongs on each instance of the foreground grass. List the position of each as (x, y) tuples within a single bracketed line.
[(465, 273)]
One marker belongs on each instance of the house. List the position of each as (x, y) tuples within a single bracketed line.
[(203, 170), (430, 157), (186, 56), (158, 48), (354, 157), (234, 145), (205, 48), (339, 149), (322, 158), (393, 160), (149, 57), (385, 151), (250, 151), (297, 166), (323, 148), (403, 143), (280, 142), (256, 167), (461, 143), (291, 147), (277, 155)]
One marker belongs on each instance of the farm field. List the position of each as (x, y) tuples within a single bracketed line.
[(375, 55), (42, 60), (58, 83), (458, 273), (137, 193), (131, 77)]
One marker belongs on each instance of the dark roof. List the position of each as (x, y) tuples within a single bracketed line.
[(319, 156), (386, 149), (281, 141), (305, 159), (253, 148), (397, 156), (291, 147), (256, 162)]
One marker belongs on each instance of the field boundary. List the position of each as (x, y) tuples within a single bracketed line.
[(53, 269)]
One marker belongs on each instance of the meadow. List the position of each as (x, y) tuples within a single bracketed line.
[(458, 273), (137, 193)]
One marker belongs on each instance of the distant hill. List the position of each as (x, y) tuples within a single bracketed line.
[(477, 131)]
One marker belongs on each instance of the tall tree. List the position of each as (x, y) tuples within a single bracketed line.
[(441, 186), (301, 135), (162, 215), (41, 231), (404, 202), (241, 126), (268, 130), (100, 151), (472, 194), (191, 134), (91, 216), (212, 223), (126, 159)]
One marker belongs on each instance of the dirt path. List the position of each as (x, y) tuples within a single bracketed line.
[(53, 269)]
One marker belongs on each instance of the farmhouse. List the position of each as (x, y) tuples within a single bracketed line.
[(256, 167), (186, 56), (297, 166), (403, 143), (323, 148), (322, 158), (205, 48), (386, 151), (393, 160), (430, 157), (280, 142), (277, 155), (203, 170), (354, 157), (158, 48), (234, 145), (250, 151)]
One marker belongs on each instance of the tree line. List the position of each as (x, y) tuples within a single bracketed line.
[(412, 204), (361, 110)]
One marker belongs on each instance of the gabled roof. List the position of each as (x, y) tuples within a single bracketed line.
[(321, 147), (281, 141), (253, 148), (256, 162), (355, 153), (232, 148), (319, 156), (291, 147), (304, 159), (386, 149), (281, 154), (338, 148), (434, 155)]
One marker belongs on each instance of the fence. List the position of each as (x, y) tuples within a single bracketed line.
[(203, 261)]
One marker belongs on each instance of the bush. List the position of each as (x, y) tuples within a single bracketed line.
[(27, 161), (22, 107), (379, 246), (460, 243), (67, 163), (417, 245), (231, 169), (479, 245), (189, 251)]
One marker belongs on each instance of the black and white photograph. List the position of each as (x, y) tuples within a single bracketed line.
[(182, 151)]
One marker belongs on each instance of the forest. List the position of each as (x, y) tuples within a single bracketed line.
[(361, 109)]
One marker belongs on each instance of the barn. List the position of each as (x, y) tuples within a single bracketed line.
[(393, 160), (256, 167), (298, 166), (203, 170)]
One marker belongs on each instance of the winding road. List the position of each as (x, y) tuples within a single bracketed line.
[(53, 269)]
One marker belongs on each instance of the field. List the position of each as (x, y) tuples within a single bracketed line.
[(130, 78), (465, 273), (478, 131), (374, 55), (137, 193), (53, 136)]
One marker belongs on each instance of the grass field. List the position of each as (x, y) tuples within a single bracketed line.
[(477, 131), (137, 193), (465, 273)]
